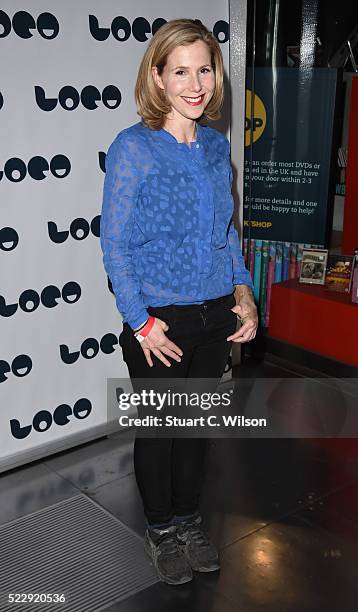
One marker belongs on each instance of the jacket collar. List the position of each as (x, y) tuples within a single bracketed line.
[(162, 133)]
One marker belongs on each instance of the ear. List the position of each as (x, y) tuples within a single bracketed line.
[(157, 79)]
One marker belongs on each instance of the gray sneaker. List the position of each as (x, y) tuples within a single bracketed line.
[(200, 552), (168, 558)]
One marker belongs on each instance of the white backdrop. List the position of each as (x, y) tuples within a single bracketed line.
[(68, 72)]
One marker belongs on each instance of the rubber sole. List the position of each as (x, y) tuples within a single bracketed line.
[(205, 570)]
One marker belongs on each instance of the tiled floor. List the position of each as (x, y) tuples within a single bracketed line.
[(284, 514)]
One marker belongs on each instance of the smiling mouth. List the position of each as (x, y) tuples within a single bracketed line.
[(193, 101)]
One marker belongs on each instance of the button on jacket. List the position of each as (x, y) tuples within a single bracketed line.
[(166, 225)]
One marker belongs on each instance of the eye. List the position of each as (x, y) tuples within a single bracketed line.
[(179, 71), (206, 69)]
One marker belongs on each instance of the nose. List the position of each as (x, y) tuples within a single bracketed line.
[(195, 84)]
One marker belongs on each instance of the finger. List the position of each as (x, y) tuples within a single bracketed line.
[(173, 347), (237, 310), (170, 353), (160, 356), (248, 336), (234, 335), (148, 357), (163, 324), (244, 329), (254, 331), (242, 340), (240, 337)]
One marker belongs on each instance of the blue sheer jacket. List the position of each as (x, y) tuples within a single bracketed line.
[(166, 225)]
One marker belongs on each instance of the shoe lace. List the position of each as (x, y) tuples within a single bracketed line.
[(196, 534), (167, 543)]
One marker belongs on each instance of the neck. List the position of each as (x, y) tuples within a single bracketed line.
[(186, 132)]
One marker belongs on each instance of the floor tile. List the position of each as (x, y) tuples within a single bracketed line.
[(290, 567), (336, 513), (121, 498), (190, 597), (30, 488), (94, 464), (251, 483)]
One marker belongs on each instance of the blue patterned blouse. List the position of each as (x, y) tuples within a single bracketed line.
[(166, 226)]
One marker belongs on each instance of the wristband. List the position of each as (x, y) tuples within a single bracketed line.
[(137, 329), (142, 333)]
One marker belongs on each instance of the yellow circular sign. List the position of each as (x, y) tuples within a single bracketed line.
[(257, 125)]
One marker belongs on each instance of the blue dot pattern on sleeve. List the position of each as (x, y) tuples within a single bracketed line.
[(167, 234)]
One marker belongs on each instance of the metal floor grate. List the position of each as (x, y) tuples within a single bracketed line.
[(74, 547)]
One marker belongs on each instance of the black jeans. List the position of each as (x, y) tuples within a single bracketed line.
[(169, 472)]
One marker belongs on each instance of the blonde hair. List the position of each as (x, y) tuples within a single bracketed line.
[(151, 101)]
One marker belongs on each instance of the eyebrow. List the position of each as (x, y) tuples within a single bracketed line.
[(187, 67)]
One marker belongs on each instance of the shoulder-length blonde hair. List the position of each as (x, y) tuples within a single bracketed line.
[(152, 104)]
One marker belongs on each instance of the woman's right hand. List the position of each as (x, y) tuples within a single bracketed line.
[(158, 343)]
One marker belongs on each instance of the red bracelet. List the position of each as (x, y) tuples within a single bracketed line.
[(147, 327)]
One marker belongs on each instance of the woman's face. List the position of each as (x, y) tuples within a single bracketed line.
[(188, 80)]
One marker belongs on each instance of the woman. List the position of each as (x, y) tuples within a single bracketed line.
[(173, 257)]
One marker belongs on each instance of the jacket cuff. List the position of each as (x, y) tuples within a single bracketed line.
[(244, 278), (139, 320)]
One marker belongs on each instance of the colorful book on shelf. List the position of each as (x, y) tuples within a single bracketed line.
[(300, 248), (257, 270), (263, 282), (252, 258), (278, 266), (292, 269), (246, 258), (270, 279), (355, 286), (285, 260), (355, 279), (339, 272)]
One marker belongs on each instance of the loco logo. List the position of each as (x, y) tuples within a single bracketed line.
[(102, 160), (22, 23), (255, 128), (69, 98), (142, 30), (20, 366), (9, 239), (43, 419), (90, 348), (79, 230), (16, 170), (109, 284), (29, 300)]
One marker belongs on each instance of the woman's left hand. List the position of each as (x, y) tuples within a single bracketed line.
[(246, 311)]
